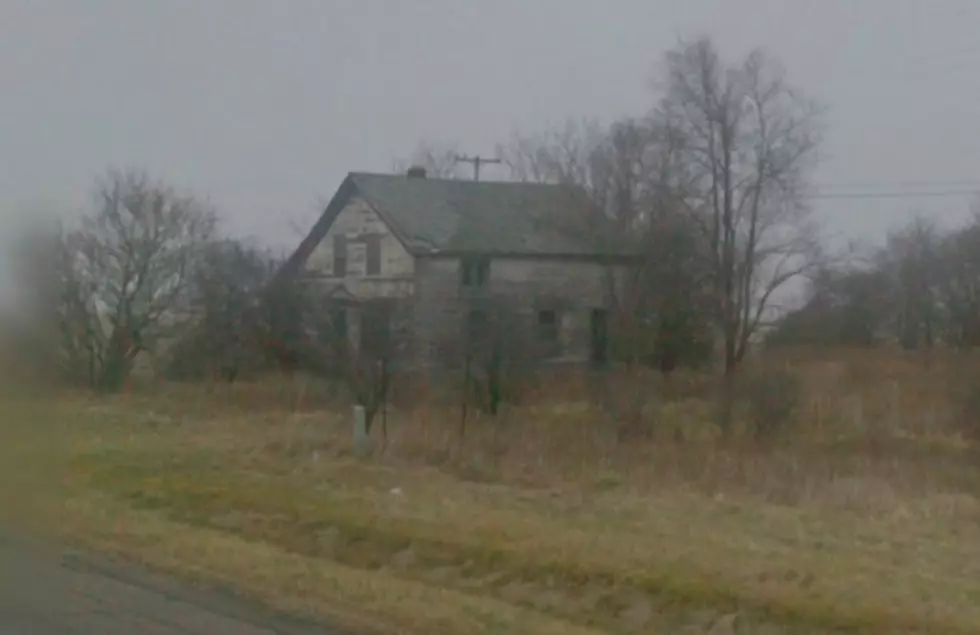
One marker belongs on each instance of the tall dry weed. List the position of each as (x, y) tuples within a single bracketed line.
[(844, 443), (774, 397)]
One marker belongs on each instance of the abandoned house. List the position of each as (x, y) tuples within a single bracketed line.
[(416, 269)]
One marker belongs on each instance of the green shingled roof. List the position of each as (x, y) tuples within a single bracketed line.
[(440, 215)]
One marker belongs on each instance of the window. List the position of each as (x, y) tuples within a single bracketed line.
[(373, 248), (474, 272), (339, 256), (376, 318), (548, 327), (334, 334), (599, 336)]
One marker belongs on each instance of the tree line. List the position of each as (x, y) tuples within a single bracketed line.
[(919, 291)]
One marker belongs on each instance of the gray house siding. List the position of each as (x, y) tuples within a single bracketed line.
[(401, 244), (356, 224), (525, 287), (347, 297)]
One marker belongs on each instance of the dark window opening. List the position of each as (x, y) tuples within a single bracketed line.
[(373, 248), (336, 333), (376, 330), (474, 272), (549, 331), (599, 336), (339, 256), (338, 325)]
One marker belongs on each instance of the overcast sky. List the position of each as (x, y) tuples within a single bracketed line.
[(264, 106)]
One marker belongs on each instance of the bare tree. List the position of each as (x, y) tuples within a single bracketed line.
[(912, 259), (224, 339), (562, 153), (632, 173), (124, 274), (750, 141), (438, 159), (959, 286), (920, 290), (849, 306)]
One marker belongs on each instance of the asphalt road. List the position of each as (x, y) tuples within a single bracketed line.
[(47, 591)]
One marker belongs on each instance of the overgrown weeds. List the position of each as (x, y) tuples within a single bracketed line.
[(773, 397), (545, 507)]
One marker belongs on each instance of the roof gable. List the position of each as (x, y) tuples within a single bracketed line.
[(442, 216), (318, 231)]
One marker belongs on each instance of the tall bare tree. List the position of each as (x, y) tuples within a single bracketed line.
[(959, 285), (124, 274), (568, 152), (851, 305), (912, 259), (750, 141), (631, 171), (228, 336), (921, 289)]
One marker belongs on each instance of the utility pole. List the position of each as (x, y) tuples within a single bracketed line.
[(477, 161)]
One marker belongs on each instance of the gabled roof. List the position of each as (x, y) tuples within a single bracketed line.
[(434, 217)]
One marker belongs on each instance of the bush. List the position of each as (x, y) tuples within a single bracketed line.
[(772, 399), (969, 409)]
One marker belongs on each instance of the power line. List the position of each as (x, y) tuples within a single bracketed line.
[(893, 195), (903, 183), (903, 189)]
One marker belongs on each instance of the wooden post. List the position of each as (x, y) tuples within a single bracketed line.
[(361, 439)]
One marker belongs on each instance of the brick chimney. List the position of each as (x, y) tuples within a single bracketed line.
[(416, 172)]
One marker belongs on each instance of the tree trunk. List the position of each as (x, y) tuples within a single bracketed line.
[(726, 405), (115, 369)]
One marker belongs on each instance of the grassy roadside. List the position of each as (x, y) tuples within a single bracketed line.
[(350, 598), (376, 544), (583, 565)]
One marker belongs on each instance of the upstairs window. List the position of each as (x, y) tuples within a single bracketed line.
[(339, 256), (372, 247), (474, 272)]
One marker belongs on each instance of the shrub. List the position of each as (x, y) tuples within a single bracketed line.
[(969, 409), (772, 399)]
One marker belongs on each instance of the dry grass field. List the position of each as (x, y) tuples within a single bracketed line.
[(862, 517)]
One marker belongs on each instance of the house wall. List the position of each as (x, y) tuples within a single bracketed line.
[(525, 286), (393, 285), (356, 221), (433, 307)]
